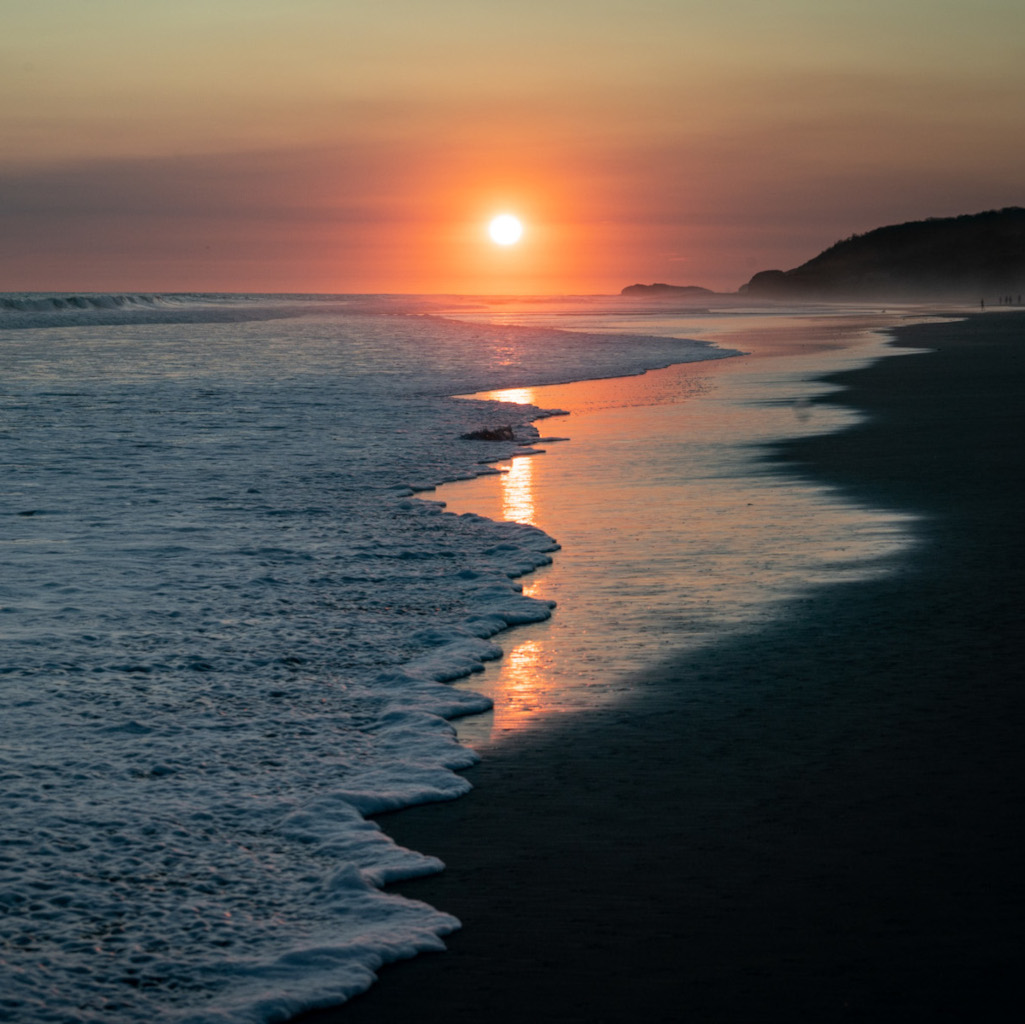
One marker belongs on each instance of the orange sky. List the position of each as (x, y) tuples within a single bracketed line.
[(321, 146)]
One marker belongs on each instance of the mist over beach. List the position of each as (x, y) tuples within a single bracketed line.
[(510, 511)]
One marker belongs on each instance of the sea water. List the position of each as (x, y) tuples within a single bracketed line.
[(228, 630)]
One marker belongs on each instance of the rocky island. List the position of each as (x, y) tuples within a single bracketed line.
[(669, 291)]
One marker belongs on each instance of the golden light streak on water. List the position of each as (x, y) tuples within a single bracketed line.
[(524, 680), (518, 396), (518, 491)]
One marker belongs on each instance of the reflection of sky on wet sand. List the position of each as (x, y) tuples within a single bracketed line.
[(673, 532)]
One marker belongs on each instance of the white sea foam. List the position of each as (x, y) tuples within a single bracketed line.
[(228, 633)]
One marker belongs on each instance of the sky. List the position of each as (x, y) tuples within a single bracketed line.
[(362, 147)]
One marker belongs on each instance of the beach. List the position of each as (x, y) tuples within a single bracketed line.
[(818, 819)]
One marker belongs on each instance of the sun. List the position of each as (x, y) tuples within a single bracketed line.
[(505, 229)]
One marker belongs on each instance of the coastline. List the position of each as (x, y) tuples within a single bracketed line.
[(672, 531), (822, 818)]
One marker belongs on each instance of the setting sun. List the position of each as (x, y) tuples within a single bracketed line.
[(505, 229)]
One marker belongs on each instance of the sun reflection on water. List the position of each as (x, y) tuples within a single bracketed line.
[(518, 491), (522, 689), (518, 396), (523, 677)]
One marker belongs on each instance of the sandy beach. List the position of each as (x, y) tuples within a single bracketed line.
[(818, 820)]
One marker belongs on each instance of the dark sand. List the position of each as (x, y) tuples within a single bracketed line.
[(820, 821)]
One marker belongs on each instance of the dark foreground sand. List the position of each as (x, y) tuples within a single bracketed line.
[(822, 821)]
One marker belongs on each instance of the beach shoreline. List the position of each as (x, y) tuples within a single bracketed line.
[(821, 820), (672, 530)]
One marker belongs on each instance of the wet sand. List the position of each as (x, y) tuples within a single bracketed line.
[(819, 820), (674, 533)]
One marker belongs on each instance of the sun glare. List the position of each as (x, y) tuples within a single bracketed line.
[(505, 229)]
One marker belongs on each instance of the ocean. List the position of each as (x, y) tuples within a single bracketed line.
[(230, 628)]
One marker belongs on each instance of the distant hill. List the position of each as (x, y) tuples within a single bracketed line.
[(668, 290), (973, 257)]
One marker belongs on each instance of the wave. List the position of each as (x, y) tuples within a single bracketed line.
[(48, 303), (27, 310)]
